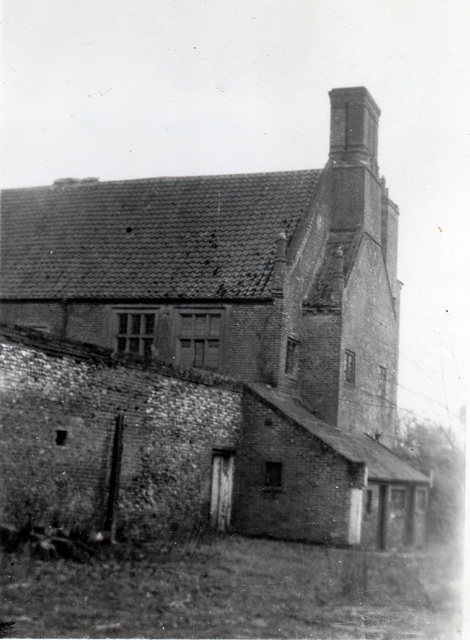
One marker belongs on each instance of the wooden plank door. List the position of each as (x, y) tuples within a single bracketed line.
[(382, 517), (355, 516), (221, 491)]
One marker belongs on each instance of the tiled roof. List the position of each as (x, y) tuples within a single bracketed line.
[(191, 237), (320, 294), (381, 462)]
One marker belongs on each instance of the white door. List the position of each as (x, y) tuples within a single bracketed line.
[(355, 516), (221, 491)]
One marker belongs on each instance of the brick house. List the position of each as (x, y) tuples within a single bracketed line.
[(283, 281)]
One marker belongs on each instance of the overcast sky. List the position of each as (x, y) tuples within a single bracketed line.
[(121, 89)]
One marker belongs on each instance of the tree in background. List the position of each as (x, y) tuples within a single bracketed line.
[(438, 451)]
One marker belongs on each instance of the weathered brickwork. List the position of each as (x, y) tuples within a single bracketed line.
[(171, 427), (320, 364), (60, 402), (267, 278), (313, 500), (370, 331), (45, 315)]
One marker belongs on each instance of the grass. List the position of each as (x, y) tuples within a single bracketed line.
[(232, 587)]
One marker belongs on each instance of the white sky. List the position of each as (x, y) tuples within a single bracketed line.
[(125, 89)]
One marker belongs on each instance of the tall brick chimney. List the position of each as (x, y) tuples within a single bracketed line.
[(356, 190), (354, 127)]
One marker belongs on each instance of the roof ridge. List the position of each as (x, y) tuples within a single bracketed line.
[(81, 183)]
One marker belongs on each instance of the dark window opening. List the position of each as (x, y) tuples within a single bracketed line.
[(200, 340), (61, 437), (273, 475), (350, 367), (292, 357), (382, 381)]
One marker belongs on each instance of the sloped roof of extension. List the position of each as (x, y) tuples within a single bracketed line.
[(192, 237), (381, 462), (319, 296)]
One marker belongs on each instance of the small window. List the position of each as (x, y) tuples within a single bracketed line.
[(382, 381), (273, 475), (292, 357), (398, 502), (350, 367), (420, 500), (60, 437), (369, 501)]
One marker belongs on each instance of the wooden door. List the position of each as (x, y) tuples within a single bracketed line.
[(409, 517), (382, 517), (221, 491)]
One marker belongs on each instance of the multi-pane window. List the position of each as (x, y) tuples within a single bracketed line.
[(292, 357), (199, 342), (350, 367), (398, 502), (382, 381), (135, 332), (273, 475)]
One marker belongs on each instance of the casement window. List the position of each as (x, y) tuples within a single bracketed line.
[(199, 339), (292, 357), (273, 475), (350, 366), (398, 502), (135, 331), (382, 381)]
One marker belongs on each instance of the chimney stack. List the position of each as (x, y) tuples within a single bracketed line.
[(354, 127)]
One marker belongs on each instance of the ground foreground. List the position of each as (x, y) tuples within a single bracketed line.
[(233, 587)]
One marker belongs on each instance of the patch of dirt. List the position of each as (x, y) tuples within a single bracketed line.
[(230, 587)]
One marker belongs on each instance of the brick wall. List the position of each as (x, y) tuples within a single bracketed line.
[(172, 423), (320, 363), (246, 349), (370, 330), (89, 322), (48, 315), (313, 502)]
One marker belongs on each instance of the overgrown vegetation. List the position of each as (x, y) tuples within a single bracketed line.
[(438, 451), (232, 587)]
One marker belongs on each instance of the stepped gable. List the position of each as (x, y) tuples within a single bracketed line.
[(185, 237)]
